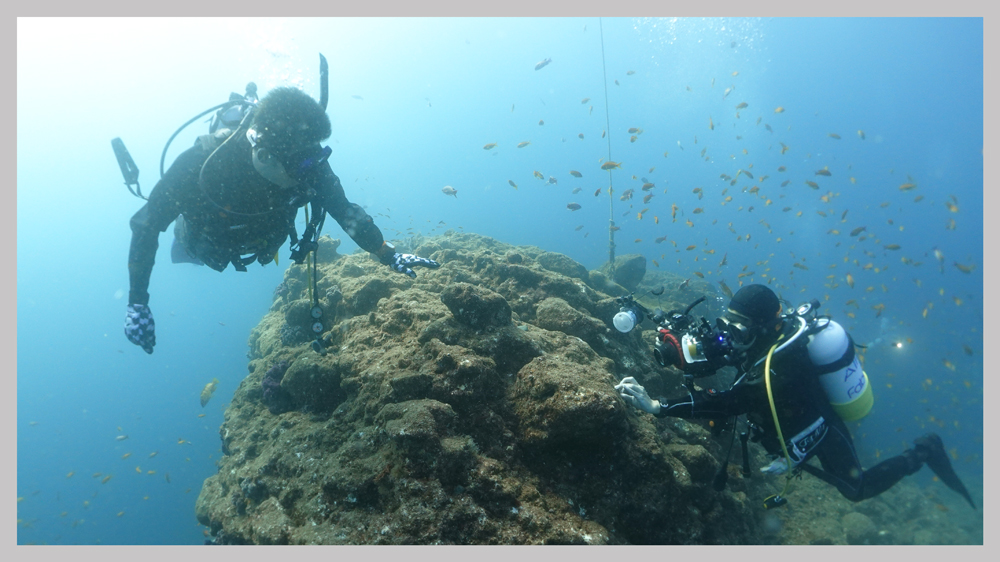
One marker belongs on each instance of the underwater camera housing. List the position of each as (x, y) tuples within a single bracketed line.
[(705, 348)]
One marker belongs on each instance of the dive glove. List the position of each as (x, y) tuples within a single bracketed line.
[(403, 262), (635, 395), (140, 328)]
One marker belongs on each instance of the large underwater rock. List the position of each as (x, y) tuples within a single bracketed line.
[(474, 404)]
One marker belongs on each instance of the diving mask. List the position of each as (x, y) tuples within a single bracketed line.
[(738, 327), (276, 169)]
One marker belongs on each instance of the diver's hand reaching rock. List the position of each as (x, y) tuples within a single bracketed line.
[(402, 263), (635, 395), (140, 328)]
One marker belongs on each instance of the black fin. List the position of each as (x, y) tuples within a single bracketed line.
[(937, 459)]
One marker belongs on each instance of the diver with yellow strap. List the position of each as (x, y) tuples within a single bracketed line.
[(798, 380)]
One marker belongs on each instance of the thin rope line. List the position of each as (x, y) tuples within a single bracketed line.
[(611, 183)]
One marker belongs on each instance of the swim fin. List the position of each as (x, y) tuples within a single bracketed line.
[(931, 451)]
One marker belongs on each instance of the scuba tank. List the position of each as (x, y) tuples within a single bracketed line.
[(845, 385)]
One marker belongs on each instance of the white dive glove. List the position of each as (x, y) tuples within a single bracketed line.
[(777, 466), (635, 395)]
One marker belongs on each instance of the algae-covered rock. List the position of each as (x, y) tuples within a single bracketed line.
[(629, 270), (859, 528), (474, 404), (561, 263), (313, 381), (476, 307)]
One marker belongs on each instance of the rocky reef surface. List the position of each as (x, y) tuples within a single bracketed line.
[(475, 405)]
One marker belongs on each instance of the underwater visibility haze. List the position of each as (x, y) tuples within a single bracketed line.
[(838, 159)]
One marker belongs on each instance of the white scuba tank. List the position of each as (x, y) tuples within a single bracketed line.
[(847, 388)]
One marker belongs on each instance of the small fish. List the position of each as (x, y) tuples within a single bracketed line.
[(609, 165), (630, 73), (850, 281), (660, 240), (598, 192), (512, 108), (581, 136), (575, 174), (892, 247), (779, 109), (812, 184), (768, 127), (579, 228), (511, 182), (833, 136), (951, 206), (552, 180), (603, 132), (577, 190), (741, 105), (858, 230), (861, 134), (121, 438), (541, 121), (523, 144), (542, 64), (691, 247), (538, 175), (633, 138), (800, 266), (698, 211), (126, 455), (711, 125), (699, 274), (105, 479), (153, 454), (584, 101), (447, 190), (209, 390), (786, 182), (907, 186), (965, 268), (573, 206), (490, 146), (725, 289), (823, 172)]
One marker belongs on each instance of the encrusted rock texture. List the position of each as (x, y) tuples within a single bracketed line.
[(474, 404)]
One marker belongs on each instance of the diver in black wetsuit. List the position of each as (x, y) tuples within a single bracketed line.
[(236, 193), (807, 360)]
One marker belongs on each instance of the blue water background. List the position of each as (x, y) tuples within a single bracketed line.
[(433, 93)]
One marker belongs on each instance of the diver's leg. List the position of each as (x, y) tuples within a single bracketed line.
[(841, 466)]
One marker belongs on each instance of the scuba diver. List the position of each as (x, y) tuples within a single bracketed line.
[(798, 381), (235, 195)]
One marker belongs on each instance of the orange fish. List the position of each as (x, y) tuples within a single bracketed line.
[(609, 165)]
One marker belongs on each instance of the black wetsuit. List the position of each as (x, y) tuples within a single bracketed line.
[(233, 211), (803, 411)]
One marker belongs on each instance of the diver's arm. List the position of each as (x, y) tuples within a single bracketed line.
[(350, 216), (164, 205), (706, 404)]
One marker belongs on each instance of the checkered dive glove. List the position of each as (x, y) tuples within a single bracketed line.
[(402, 263), (140, 328)]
